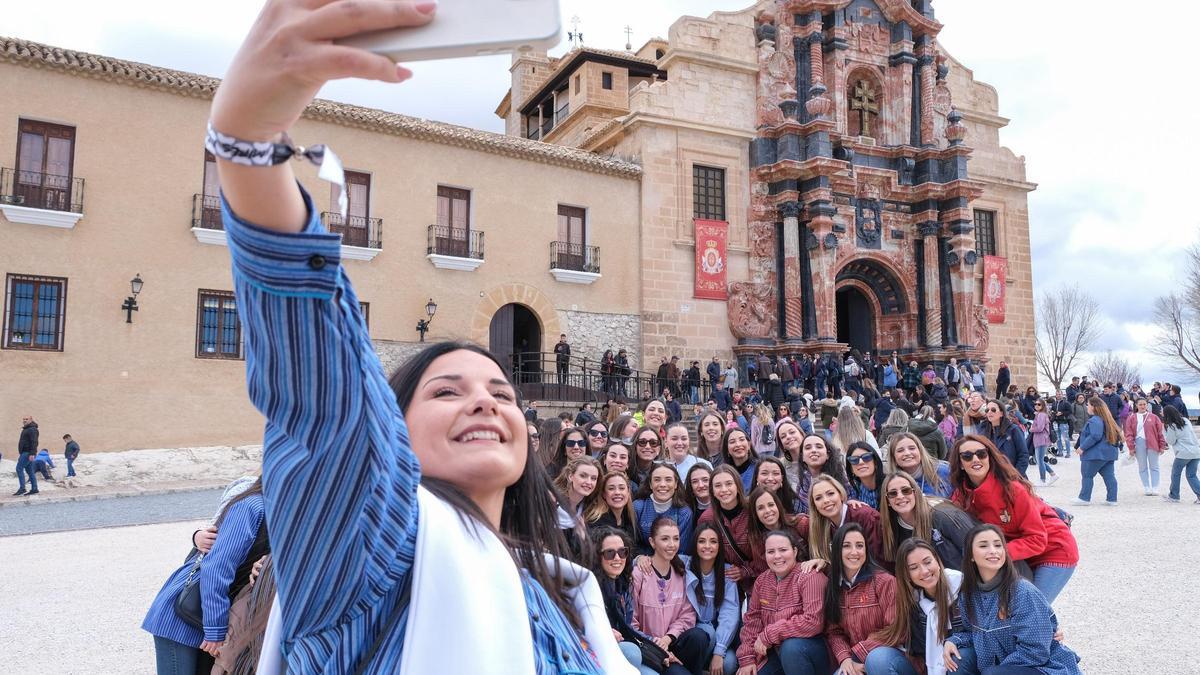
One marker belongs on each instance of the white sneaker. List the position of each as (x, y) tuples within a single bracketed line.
[(1154, 491), (1147, 491), (1052, 479), (1107, 503), (1080, 502)]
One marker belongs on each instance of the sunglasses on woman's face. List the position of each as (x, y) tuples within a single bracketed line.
[(575, 444), (859, 459), (967, 455), (611, 554), (651, 442), (535, 436), (598, 433), (906, 491)]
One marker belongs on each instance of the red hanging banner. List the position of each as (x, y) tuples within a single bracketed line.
[(995, 283), (711, 263)]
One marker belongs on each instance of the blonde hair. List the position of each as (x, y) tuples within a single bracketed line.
[(922, 520), (594, 509), (928, 466), (850, 428), (820, 528)]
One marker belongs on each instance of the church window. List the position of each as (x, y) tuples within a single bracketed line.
[(606, 80), (985, 232), (708, 192), (863, 104)]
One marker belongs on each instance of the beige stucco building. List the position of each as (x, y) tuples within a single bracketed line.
[(581, 219)]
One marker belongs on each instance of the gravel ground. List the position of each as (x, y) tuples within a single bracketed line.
[(1124, 611)]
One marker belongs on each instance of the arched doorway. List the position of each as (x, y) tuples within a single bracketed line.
[(515, 337), (855, 319)]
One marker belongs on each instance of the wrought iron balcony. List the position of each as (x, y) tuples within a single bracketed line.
[(355, 230), (206, 212), (456, 242), (565, 255), (36, 190)]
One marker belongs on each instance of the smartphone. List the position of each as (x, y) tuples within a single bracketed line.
[(470, 28)]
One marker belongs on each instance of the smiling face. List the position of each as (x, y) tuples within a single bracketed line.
[(901, 497), (975, 460), (699, 480), (471, 432), (828, 500), (583, 481), (767, 511), (924, 570), (656, 414), (854, 553), (770, 476), (814, 452), (616, 460), (974, 400), (678, 443), (665, 541), (789, 438), (613, 546), (988, 554), (906, 453), (865, 466), (707, 545), (711, 429), (724, 490), (597, 437), (575, 445), (647, 445), (663, 481), (780, 555), (739, 446), (616, 492)]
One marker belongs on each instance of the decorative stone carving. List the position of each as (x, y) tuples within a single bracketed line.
[(956, 131), (971, 258), (952, 259), (790, 109), (983, 336), (831, 242), (818, 105), (870, 38), (789, 209), (751, 310), (811, 242), (776, 72), (928, 228), (867, 222)]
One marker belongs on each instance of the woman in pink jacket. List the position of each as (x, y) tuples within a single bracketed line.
[(1145, 440), (661, 609)]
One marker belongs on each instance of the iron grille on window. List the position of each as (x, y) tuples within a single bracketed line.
[(708, 192), (35, 312), (985, 232), (218, 329), (365, 309)]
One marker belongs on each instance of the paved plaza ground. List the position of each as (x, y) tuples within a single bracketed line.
[(72, 602)]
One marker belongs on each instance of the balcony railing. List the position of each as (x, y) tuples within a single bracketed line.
[(455, 241), (206, 212), (561, 114), (565, 255), (355, 230), (41, 190)]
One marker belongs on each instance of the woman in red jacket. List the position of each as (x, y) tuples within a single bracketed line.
[(1145, 440), (860, 602), (781, 632), (987, 487), (732, 519)]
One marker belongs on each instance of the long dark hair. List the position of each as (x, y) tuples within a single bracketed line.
[(718, 566), (725, 446), (851, 478), (688, 495), (785, 493), (658, 524), (837, 571), (998, 466), (834, 465), (646, 490), (528, 521), (1172, 417), (255, 488), (702, 449), (971, 578), (907, 597), (559, 461), (618, 586)]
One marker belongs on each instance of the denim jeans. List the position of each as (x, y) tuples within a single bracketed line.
[(1051, 579), (174, 658), (26, 467), (966, 661), (1043, 468), (70, 467), (1064, 439), (1147, 460), (888, 661), (798, 656), (731, 662), (1180, 466), (1089, 468), (693, 394), (1011, 670), (634, 656)]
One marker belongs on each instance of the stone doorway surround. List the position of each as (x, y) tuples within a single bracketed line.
[(521, 294)]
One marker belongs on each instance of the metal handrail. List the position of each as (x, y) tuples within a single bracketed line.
[(537, 376), (355, 230), (455, 241), (206, 212), (37, 190), (565, 255)]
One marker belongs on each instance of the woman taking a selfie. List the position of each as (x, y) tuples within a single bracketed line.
[(451, 512)]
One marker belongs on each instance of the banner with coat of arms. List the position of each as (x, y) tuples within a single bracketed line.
[(711, 263), (995, 283)]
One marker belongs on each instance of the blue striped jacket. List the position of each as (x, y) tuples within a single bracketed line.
[(339, 474), (237, 534)]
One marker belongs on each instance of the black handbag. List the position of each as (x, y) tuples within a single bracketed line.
[(653, 656), (187, 603)]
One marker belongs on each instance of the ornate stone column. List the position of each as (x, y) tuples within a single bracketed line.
[(927, 83), (793, 319), (821, 262), (932, 284)]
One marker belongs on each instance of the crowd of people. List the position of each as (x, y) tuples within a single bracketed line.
[(33, 462)]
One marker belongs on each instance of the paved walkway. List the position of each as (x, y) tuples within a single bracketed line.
[(1129, 609), (133, 510)]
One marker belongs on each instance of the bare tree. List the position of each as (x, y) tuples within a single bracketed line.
[(1116, 369), (1178, 323), (1068, 324)]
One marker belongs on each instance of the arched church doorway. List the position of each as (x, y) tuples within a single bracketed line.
[(515, 337), (855, 319)]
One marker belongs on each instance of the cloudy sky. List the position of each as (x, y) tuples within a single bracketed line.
[(1099, 98)]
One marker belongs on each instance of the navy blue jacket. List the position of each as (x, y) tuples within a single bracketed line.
[(722, 399), (1010, 442), (1113, 401)]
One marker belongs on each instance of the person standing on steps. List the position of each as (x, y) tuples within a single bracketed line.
[(562, 358), (26, 452)]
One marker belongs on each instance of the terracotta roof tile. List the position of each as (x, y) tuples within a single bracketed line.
[(36, 55)]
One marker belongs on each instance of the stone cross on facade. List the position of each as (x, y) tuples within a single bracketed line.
[(864, 101)]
